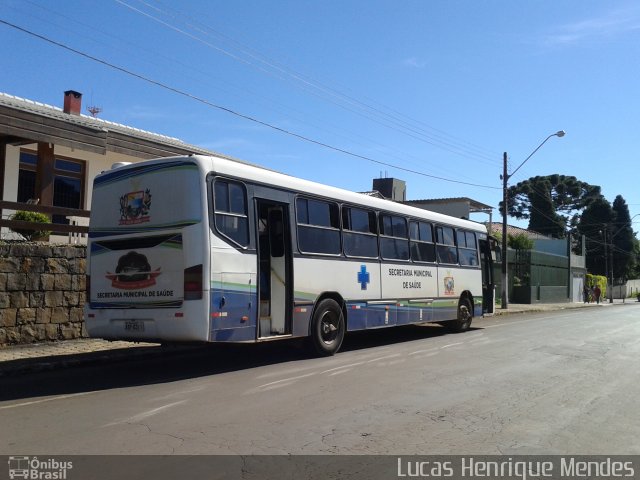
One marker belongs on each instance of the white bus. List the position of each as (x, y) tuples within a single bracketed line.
[(207, 249)]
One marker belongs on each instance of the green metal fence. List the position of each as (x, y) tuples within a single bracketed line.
[(536, 277)]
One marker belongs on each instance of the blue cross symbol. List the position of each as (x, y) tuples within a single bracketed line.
[(363, 277)]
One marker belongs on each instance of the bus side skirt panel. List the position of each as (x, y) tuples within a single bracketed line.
[(362, 316), (233, 314), (302, 320), (477, 307), (446, 309)]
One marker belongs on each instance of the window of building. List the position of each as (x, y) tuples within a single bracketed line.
[(394, 242), (68, 182), (27, 176), (318, 226), (230, 207), (359, 232), (422, 246), (446, 245)]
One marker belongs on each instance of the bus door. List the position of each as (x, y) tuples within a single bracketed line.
[(274, 269), (487, 257)]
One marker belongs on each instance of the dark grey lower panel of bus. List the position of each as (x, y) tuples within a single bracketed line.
[(363, 315), (234, 314)]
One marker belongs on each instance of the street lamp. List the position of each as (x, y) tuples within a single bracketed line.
[(505, 208)]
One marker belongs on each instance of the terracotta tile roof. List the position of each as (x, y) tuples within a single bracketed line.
[(496, 227)]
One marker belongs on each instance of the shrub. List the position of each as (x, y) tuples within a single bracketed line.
[(520, 242), (600, 280), (30, 217)]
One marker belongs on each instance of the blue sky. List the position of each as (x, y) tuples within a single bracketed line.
[(436, 87)]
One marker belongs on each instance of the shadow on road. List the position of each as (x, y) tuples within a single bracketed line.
[(134, 367)]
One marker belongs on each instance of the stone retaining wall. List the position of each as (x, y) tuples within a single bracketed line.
[(42, 292)]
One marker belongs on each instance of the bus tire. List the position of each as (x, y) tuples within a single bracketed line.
[(465, 316), (327, 327)]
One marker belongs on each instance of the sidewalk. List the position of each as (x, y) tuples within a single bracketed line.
[(51, 355), (550, 307)]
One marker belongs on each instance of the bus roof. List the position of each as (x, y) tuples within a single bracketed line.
[(243, 170)]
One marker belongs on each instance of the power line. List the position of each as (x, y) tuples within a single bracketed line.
[(233, 112), (292, 112), (249, 57)]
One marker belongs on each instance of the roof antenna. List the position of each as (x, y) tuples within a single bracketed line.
[(93, 109)]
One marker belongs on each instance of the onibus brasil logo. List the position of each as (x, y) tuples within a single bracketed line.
[(37, 469)]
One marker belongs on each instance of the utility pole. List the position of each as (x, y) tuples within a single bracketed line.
[(606, 256), (611, 253), (504, 281)]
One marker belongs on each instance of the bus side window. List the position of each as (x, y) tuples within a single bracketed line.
[(446, 245), (422, 247), (359, 234), (467, 248), (230, 205), (394, 238), (318, 224)]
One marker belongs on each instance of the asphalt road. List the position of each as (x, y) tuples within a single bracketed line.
[(560, 382)]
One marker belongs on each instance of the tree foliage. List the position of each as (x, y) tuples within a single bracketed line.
[(633, 268), (621, 238), (551, 203), (593, 225), (607, 230), (555, 204), (520, 241)]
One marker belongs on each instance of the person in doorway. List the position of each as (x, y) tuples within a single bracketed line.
[(597, 292), (585, 293)]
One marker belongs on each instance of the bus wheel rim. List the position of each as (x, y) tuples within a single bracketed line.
[(328, 328)]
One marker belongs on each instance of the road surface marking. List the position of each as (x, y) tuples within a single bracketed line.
[(394, 355), (290, 379), (426, 350), (180, 393), (349, 365), (143, 415), (451, 345), (34, 402)]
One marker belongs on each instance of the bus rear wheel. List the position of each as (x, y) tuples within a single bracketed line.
[(327, 327), (465, 316)]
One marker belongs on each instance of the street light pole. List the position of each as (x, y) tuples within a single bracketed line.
[(505, 208)]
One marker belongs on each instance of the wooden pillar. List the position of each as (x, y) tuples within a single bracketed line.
[(3, 163), (44, 174)]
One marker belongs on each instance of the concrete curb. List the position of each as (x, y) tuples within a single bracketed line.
[(54, 362)]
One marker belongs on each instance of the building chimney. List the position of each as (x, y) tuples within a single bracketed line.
[(72, 102), (391, 188)]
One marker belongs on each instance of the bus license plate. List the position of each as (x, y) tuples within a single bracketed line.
[(134, 326)]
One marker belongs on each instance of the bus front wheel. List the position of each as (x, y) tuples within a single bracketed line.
[(327, 327)]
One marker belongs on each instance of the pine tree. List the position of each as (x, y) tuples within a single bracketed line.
[(621, 238), (551, 203), (594, 223)]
